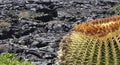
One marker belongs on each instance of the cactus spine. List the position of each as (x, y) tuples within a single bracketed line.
[(96, 42)]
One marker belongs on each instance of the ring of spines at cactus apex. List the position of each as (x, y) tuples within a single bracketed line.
[(96, 42)]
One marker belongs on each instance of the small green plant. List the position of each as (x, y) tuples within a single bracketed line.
[(4, 24), (29, 14), (117, 9), (12, 59), (24, 14)]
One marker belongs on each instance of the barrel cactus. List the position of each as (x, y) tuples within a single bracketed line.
[(96, 42)]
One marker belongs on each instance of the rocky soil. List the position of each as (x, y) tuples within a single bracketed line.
[(33, 28)]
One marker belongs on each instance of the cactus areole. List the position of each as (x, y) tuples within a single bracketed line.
[(96, 42)]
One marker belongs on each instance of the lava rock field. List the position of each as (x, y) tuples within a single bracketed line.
[(33, 28)]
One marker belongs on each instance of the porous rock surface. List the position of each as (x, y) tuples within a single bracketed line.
[(37, 38)]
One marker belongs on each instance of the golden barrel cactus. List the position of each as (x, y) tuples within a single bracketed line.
[(95, 42)]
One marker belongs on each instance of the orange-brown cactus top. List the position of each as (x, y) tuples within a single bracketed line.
[(99, 27)]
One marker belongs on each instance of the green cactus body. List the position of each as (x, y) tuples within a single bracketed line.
[(92, 48)]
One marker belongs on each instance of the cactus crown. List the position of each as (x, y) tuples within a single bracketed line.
[(99, 27), (96, 42)]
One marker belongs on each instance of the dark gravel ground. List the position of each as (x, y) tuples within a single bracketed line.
[(33, 28)]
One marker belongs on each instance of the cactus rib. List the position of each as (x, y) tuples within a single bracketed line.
[(106, 53)]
